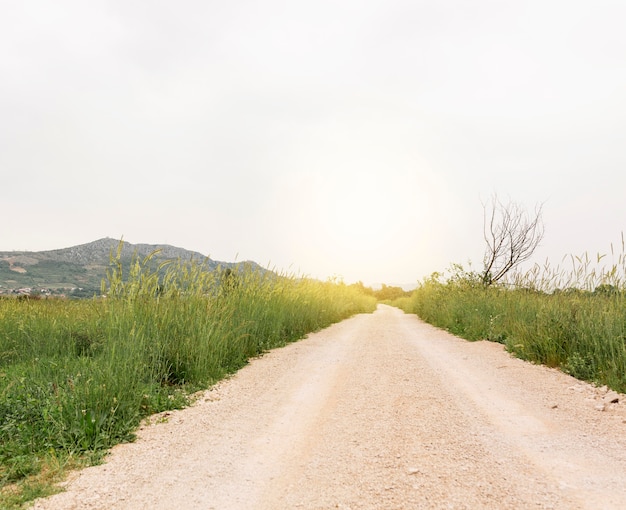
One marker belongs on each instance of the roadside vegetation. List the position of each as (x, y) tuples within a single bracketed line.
[(78, 376), (572, 318), (385, 294)]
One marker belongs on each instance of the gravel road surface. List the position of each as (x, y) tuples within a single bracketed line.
[(380, 411)]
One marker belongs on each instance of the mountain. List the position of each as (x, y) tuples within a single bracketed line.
[(80, 269)]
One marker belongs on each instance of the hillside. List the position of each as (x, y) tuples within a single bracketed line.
[(79, 269)]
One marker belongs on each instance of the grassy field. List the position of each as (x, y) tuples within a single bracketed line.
[(77, 376), (573, 319)]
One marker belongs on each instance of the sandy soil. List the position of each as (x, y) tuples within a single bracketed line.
[(379, 411)]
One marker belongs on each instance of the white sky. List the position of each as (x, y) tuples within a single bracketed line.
[(350, 138)]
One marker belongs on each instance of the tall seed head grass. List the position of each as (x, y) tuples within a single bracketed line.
[(572, 317), (76, 377)]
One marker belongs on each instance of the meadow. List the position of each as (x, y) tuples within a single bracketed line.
[(571, 317), (78, 376)]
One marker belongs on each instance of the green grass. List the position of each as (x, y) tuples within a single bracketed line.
[(77, 377), (581, 329)]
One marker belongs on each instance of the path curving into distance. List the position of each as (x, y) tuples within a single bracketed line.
[(380, 411)]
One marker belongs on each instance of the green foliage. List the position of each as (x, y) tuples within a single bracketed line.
[(362, 289), (581, 367), (388, 293), (76, 377), (582, 332)]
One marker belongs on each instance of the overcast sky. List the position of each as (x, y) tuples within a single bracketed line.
[(348, 138)]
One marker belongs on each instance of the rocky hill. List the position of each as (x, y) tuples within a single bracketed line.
[(80, 269)]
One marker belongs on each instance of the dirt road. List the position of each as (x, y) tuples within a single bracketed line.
[(380, 411)]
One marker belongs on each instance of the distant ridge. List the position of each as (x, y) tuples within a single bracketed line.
[(98, 251), (82, 267)]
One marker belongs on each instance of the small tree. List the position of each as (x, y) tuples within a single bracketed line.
[(511, 236)]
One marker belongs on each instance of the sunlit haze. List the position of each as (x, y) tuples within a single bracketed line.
[(349, 139)]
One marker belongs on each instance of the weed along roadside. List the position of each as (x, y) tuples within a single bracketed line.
[(77, 377), (574, 320), (571, 319)]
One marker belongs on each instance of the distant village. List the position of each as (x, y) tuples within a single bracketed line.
[(43, 292)]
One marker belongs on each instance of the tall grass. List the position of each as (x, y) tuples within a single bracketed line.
[(572, 319), (76, 377)]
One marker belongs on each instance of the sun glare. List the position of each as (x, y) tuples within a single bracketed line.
[(365, 214), (361, 225), (355, 218)]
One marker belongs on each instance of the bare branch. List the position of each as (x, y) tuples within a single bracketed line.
[(511, 237)]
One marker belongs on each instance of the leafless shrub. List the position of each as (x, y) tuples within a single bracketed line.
[(511, 237)]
